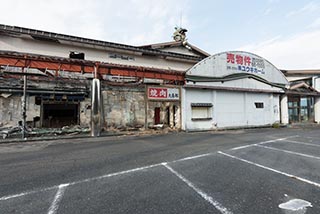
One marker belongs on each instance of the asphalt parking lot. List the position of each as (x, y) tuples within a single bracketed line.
[(278, 175)]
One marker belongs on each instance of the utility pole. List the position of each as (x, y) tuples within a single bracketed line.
[(24, 104)]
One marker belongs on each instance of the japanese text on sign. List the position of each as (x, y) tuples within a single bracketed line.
[(158, 93), (245, 63)]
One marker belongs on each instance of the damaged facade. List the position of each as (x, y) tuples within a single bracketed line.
[(50, 80), (59, 70)]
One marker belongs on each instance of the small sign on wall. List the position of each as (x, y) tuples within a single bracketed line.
[(163, 93)]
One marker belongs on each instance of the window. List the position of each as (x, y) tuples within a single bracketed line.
[(123, 57), (259, 105), (76, 55), (201, 111)]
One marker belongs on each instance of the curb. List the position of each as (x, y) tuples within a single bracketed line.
[(59, 137)]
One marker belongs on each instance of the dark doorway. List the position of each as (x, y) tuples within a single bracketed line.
[(157, 116), (168, 116), (174, 115), (57, 115)]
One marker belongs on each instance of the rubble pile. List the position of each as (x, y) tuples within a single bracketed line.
[(16, 131)]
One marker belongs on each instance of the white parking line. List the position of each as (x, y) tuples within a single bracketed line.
[(208, 198), (263, 142), (289, 152), (192, 157), (273, 170), (58, 197), (302, 143), (100, 177), (115, 174), (28, 193)]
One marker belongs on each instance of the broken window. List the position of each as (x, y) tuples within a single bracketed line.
[(76, 55), (259, 105)]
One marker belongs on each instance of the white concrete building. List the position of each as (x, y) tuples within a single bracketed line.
[(233, 89)]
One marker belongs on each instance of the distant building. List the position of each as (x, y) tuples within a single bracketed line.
[(303, 95)]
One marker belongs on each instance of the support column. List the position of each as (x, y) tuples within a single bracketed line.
[(96, 108), (284, 109), (317, 110), (146, 103), (24, 104), (171, 114)]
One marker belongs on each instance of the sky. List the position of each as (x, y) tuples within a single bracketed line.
[(285, 32)]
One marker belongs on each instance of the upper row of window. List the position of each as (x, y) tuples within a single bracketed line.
[(80, 55)]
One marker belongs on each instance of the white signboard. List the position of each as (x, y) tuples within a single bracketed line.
[(163, 93)]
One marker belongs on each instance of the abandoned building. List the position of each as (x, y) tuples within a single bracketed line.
[(46, 80), (50, 80)]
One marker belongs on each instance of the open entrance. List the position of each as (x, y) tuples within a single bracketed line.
[(174, 115), (57, 115), (168, 116)]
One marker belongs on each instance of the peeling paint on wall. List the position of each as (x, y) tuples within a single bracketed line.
[(10, 110), (124, 107)]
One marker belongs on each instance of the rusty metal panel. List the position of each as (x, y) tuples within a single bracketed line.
[(15, 59)]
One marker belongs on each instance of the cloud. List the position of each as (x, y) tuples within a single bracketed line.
[(297, 52), (125, 21), (311, 7), (267, 11), (315, 24), (273, 1)]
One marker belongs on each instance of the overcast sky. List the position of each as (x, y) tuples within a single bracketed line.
[(285, 32)]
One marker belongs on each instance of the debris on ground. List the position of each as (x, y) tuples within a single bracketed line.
[(16, 131), (9, 130)]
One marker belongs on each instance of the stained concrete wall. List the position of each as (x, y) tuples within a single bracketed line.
[(124, 106), (10, 110), (85, 112), (33, 110), (174, 116)]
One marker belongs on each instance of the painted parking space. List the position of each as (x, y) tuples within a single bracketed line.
[(293, 163), (257, 178), (311, 150), (246, 188), (35, 202), (154, 190)]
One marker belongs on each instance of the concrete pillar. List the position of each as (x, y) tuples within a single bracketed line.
[(171, 116), (96, 108), (284, 109), (317, 110)]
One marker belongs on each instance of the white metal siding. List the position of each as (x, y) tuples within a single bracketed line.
[(231, 109)]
